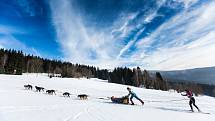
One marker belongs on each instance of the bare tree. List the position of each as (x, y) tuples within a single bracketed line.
[(3, 61), (160, 82), (140, 77), (37, 65), (146, 79), (28, 65)]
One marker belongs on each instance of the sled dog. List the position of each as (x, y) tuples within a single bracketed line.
[(83, 96)]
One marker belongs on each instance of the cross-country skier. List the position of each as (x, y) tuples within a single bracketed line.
[(189, 94), (133, 95)]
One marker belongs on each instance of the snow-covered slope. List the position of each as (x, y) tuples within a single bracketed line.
[(18, 104)]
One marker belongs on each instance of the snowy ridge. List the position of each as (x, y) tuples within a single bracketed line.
[(198, 75), (18, 104)]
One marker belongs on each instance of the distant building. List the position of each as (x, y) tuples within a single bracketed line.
[(54, 75)]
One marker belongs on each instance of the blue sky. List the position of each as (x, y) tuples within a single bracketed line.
[(152, 34)]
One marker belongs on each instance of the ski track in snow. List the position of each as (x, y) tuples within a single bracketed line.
[(19, 104)]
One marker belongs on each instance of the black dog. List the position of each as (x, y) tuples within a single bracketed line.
[(66, 94), (50, 92), (28, 87), (83, 96), (38, 89)]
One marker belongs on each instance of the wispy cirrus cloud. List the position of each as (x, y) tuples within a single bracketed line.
[(169, 35), (185, 41), (6, 29), (80, 43), (8, 41)]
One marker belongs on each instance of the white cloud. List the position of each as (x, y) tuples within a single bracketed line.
[(188, 3), (127, 28), (78, 41), (10, 30), (122, 51), (184, 41), (8, 41), (188, 41), (199, 53)]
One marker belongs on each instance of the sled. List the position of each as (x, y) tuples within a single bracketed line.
[(120, 100)]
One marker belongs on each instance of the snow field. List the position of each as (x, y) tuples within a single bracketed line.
[(18, 104)]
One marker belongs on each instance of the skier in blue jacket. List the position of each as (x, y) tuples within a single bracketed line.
[(133, 95)]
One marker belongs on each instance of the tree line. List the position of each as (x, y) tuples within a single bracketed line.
[(16, 62)]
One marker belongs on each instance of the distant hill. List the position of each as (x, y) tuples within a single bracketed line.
[(198, 75)]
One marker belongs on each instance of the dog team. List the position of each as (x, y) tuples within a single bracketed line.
[(51, 92)]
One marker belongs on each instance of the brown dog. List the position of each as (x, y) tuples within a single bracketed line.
[(83, 97)]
